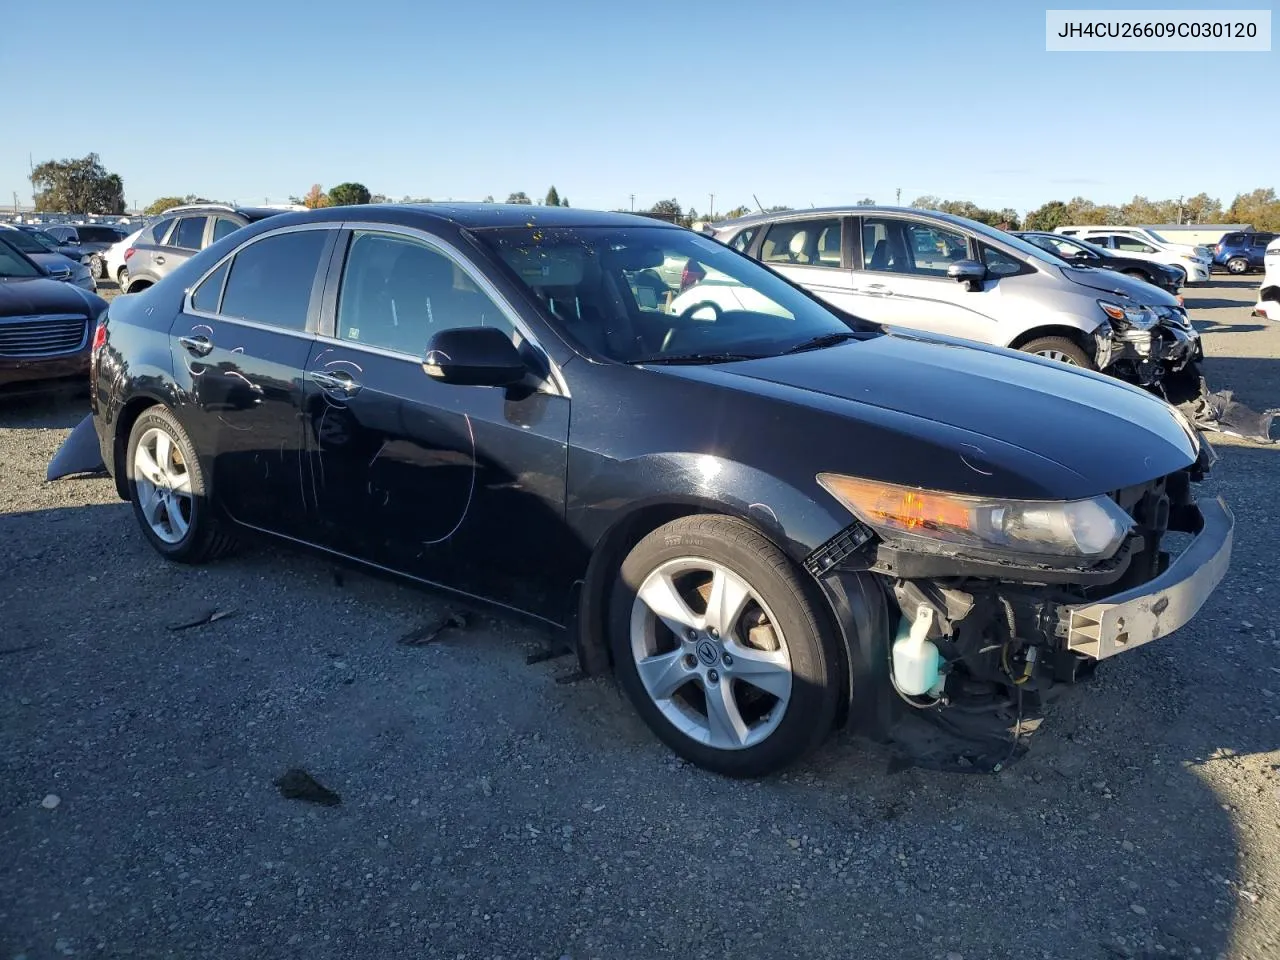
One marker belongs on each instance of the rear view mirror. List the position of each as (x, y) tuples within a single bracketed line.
[(969, 272), (475, 357)]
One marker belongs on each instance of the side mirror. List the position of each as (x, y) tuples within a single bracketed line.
[(475, 357), (969, 272), (60, 273)]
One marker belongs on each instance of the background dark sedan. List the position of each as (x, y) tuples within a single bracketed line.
[(56, 265), (1081, 253), (45, 327)]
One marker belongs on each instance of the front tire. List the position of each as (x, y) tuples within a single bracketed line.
[(720, 643), (1061, 349), (95, 267), (169, 491)]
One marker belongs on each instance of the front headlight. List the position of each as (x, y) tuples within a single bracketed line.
[(1068, 529), (1140, 318)]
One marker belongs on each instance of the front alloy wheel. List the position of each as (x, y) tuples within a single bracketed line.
[(722, 645), (95, 267)]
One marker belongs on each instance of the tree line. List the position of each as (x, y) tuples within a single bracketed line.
[(83, 185)]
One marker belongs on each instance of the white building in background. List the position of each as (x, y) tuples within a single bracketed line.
[(1206, 234)]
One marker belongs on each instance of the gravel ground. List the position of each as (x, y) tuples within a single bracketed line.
[(490, 811)]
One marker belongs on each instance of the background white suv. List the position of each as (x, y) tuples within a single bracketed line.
[(1269, 292), (1196, 252)]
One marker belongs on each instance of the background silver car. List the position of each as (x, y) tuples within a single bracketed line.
[(58, 267), (949, 275)]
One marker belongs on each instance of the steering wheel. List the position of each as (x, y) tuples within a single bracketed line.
[(688, 312)]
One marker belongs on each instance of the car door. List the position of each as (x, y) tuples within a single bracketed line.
[(813, 253), (149, 243), (240, 348), (903, 279), (461, 486), (185, 240)]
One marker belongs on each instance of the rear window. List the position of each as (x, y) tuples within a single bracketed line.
[(97, 235), (189, 233), (156, 234)]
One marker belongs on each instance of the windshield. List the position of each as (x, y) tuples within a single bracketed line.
[(651, 293), (23, 241), (43, 238), (13, 264), (1009, 240), (1061, 246), (1155, 236)]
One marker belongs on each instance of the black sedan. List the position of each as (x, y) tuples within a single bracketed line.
[(1081, 253), (767, 520), (45, 326)]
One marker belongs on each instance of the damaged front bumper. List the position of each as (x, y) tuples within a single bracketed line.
[(1155, 609), (1147, 354)]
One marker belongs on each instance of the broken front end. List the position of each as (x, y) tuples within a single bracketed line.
[(989, 604), (1143, 345)]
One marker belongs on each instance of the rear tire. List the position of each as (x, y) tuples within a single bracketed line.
[(169, 491), (1238, 266), (122, 278), (96, 268), (749, 683), (1060, 349)]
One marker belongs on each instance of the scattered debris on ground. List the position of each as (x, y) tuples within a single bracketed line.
[(432, 631), (297, 784)]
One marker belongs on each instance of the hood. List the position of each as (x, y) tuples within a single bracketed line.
[(1120, 285), (52, 260), (1023, 426), (20, 298)]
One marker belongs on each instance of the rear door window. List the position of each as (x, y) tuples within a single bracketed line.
[(271, 279), (189, 233), (803, 243), (1133, 245)]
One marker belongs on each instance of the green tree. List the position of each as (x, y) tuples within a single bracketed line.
[(866, 202), (1202, 208), (379, 198), (553, 198), (1086, 213), (77, 186), (518, 197), (162, 204), (1047, 216), (927, 202), (349, 194), (564, 201), (735, 213), (666, 210), (488, 199), (1260, 208)]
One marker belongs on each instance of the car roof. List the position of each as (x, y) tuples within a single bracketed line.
[(849, 211), (477, 215)]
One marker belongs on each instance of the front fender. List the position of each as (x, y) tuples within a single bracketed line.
[(702, 481)]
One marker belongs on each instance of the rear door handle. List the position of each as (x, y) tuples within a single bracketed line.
[(158, 258), (201, 346), (877, 290), (341, 382)]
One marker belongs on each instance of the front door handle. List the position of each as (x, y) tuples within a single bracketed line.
[(877, 290), (158, 258), (201, 346), (339, 381)]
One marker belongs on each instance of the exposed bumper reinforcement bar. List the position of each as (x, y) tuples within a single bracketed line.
[(1159, 607)]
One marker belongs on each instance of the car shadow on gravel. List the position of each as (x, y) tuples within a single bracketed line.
[(61, 407)]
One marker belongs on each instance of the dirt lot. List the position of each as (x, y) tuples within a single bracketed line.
[(489, 811)]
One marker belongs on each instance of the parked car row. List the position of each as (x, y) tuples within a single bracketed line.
[(726, 471), (56, 265), (1241, 252)]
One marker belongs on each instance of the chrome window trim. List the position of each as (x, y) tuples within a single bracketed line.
[(459, 259)]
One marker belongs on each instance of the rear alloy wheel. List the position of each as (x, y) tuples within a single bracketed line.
[(718, 641), (122, 278), (1060, 349), (168, 490), (95, 267), (1237, 265)]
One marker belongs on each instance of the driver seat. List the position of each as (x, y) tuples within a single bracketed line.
[(798, 248)]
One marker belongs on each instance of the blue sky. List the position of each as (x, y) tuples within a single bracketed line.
[(799, 103)]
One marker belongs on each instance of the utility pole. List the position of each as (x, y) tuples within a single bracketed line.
[(711, 215), (898, 198), (1179, 209), (633, 203)]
